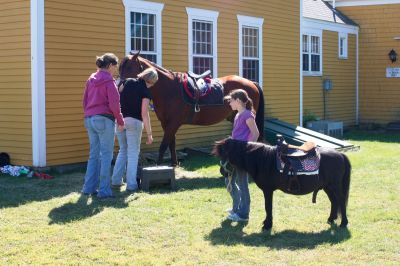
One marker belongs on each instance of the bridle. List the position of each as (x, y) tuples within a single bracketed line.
[(122, 65)]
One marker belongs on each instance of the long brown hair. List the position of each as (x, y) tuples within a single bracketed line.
[(243, 96)]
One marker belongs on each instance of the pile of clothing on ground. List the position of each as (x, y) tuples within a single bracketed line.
[(15, 170)]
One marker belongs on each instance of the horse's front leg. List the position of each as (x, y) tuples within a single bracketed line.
[(268, 195)]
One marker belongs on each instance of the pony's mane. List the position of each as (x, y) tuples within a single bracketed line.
[(251, 156)]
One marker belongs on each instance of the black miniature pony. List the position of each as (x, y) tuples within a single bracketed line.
[(260, 161)]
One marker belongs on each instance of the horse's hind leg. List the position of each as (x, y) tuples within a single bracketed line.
[(334, 206), (340, 205), (174, 159), (168, 141)]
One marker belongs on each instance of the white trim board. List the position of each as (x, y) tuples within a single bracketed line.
[(144, 7), (340, 3), (38, 84), (309, 23), (301, 89)]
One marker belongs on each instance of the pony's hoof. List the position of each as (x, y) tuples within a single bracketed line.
[(267, 226), (331, 220), (265, 229), (343, 225)]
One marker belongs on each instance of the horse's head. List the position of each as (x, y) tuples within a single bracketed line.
[(226, 147), (130, 66)]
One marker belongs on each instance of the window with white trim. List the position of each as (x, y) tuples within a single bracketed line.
[(343, 45), (312, 54), (143, 28), (250, 47), (202, 40)]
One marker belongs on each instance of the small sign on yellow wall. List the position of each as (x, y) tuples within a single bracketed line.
[(393, 72)]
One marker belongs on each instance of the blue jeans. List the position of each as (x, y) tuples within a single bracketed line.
[(101, 140), (128, 156), (240, 193)]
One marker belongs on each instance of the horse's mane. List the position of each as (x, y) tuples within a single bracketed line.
[(147, 62), (156, 66), (252, 157)]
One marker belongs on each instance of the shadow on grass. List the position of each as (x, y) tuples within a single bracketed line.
[(17, 191), (200, 183), (197, 161), (229, 235), (85, 207)]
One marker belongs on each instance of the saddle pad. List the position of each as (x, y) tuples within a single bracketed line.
[(214, 96), (308, 164)]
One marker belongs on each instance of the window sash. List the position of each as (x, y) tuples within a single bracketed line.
[(311, 53), (343, 45), (202, 45), (250, 53), (143, 34)]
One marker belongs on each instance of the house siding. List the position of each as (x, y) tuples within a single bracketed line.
[(15, 81), (75, 32), (340, 102), (379, 96)]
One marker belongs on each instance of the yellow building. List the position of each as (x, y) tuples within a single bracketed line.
[(329, 63), (379, 77), (48, 49)]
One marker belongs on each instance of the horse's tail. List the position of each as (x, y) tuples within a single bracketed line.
[(260, 113), (346, 178)]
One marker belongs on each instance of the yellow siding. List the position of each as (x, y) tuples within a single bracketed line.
[(379, 96), (78, 30), (15, 81), (340, 102)]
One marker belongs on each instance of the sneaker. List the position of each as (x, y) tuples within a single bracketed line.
[(117, 185), (236, 218), (230, 211), (105, 196), (90, 194), (132, 190)]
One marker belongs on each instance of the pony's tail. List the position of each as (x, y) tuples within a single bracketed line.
[(260, 113), (346, 178)]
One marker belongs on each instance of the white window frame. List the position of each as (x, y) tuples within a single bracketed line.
[(342, 35), (149, 8), (208, 16), (254, 22), (310, 33)]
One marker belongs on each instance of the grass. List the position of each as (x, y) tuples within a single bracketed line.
[(50, 222)]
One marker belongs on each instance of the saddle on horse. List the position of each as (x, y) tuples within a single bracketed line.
[(200, 89), (293, 160)]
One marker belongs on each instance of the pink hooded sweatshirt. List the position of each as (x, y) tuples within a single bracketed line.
[(102, 97)]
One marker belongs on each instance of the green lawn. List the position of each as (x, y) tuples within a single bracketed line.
[(50, 222)]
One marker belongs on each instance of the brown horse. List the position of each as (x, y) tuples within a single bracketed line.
[(173, 111), (259, 160)]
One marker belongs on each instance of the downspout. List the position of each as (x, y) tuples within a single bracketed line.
[(38, 84), (301, 65)]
